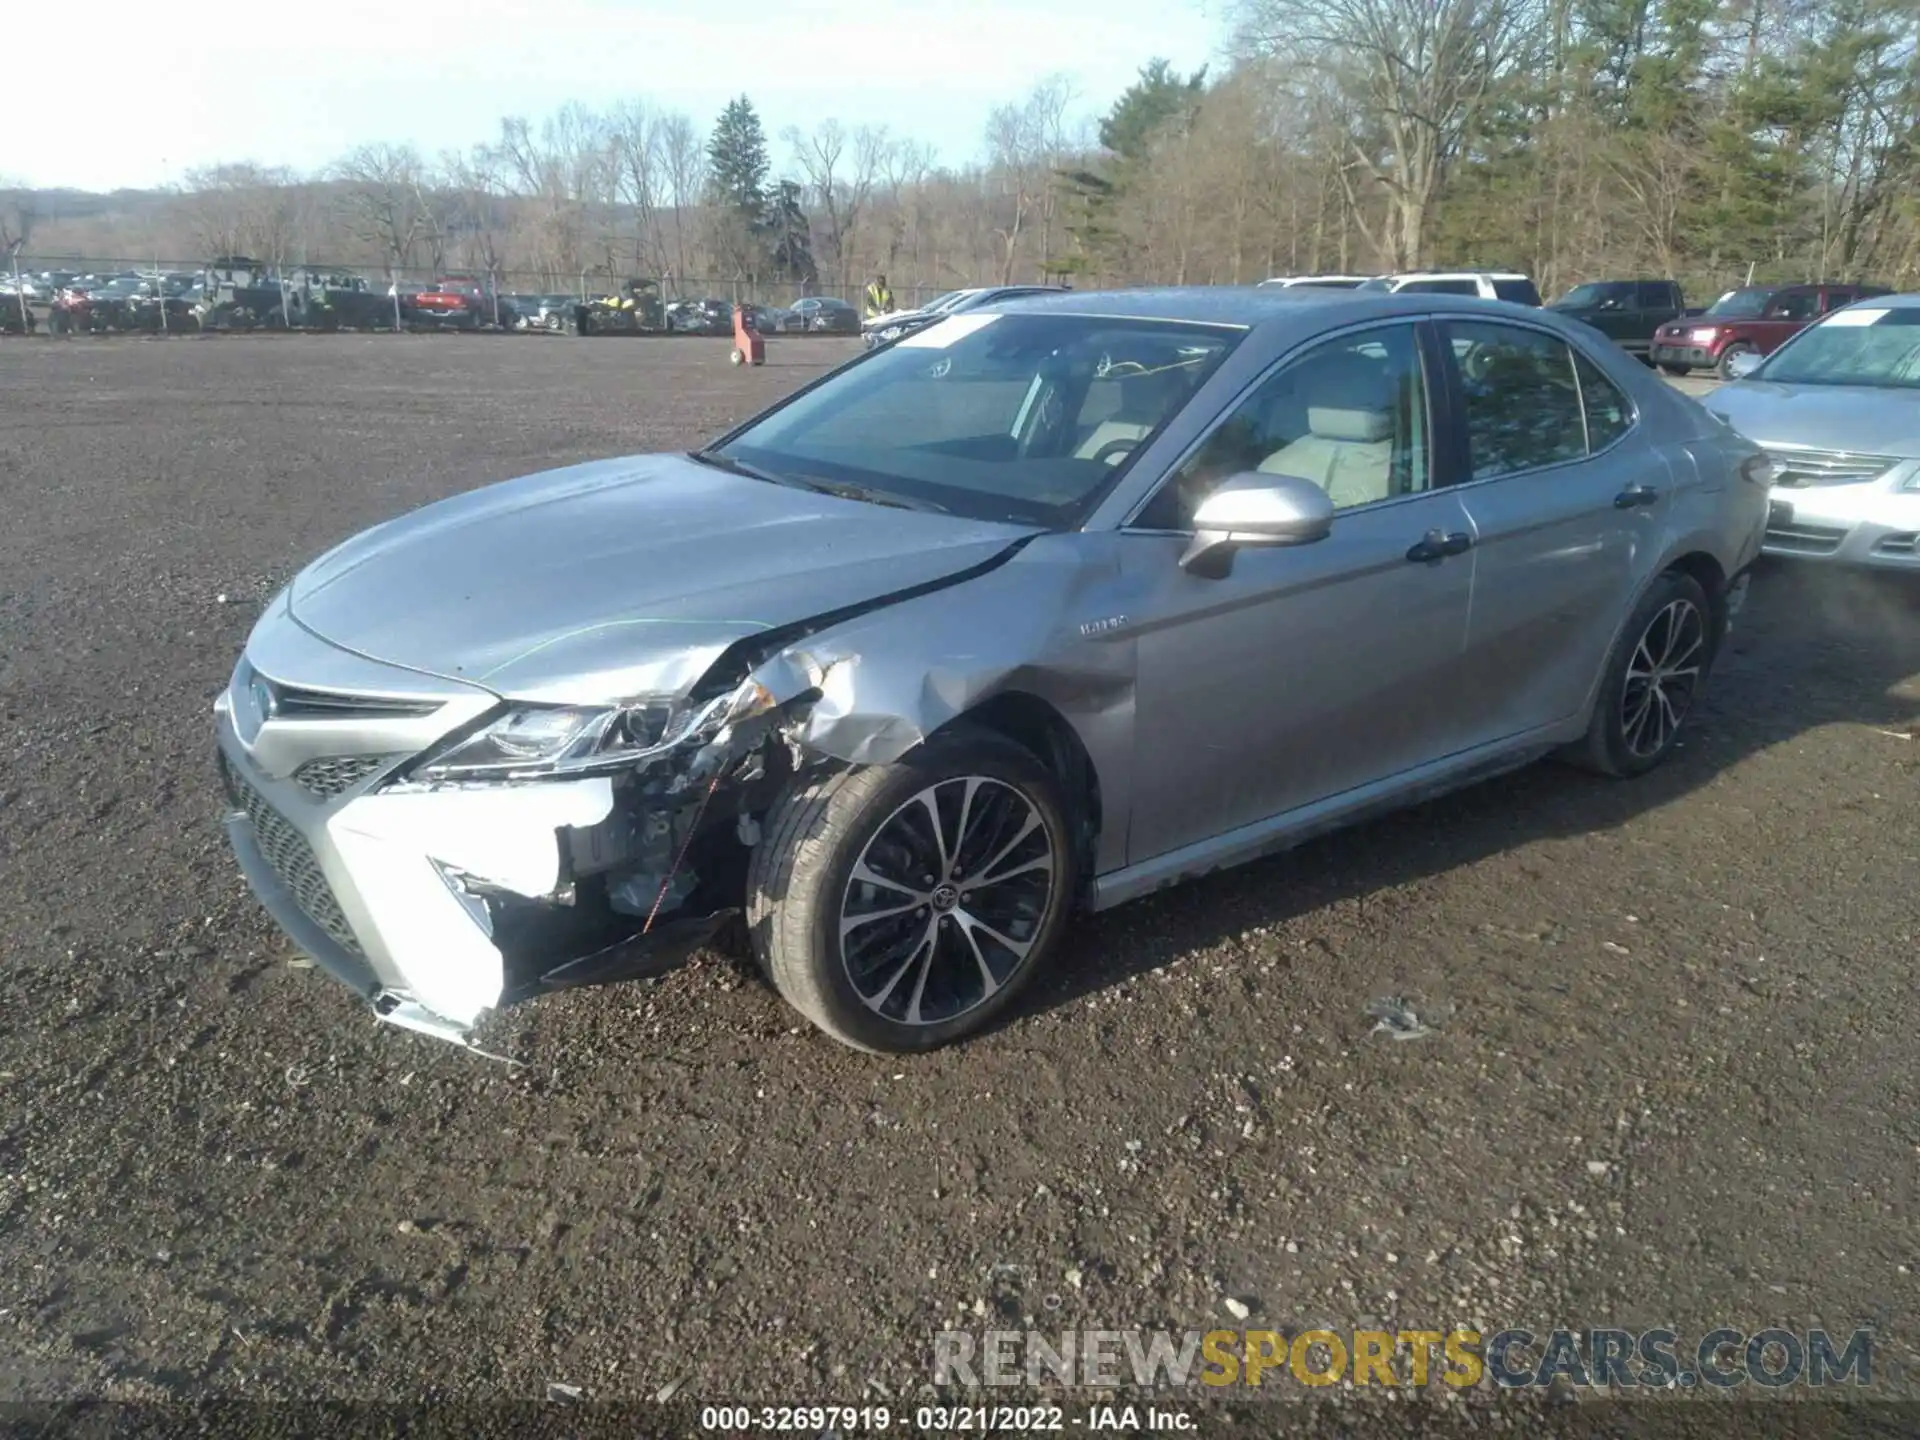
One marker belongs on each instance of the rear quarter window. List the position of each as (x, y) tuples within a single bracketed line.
[(1609, 413)]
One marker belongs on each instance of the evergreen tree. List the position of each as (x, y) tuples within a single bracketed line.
[(737, 160), (1159, 102), (737, 167)]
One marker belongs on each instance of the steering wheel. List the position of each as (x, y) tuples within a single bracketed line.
[(1114, 451)]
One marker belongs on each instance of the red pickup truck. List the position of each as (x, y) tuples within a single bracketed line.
[(1755, 319), (463, 301)]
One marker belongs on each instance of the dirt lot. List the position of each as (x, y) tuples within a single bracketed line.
[(1677, 1083)]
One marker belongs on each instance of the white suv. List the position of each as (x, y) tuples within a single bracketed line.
[(1507, 285), (1318, 282)]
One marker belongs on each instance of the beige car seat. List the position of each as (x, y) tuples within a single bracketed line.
[(1348, 448), (1145, 401)]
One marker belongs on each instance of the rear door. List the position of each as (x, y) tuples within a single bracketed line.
[(1568, 498)]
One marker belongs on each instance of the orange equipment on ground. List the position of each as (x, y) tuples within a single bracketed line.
[(748, 344)]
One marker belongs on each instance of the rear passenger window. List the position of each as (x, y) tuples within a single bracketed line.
[(1656, 296), (1609, 413), (1520, 398)]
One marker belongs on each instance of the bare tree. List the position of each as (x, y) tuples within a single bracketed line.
[(1418, 70), (685, 161), (640, 183), (841, 173), (384, 194), (1025, 144)]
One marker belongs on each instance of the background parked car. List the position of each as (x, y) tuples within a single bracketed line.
[(1627, 312), (1318, 282), (708, 316), (1753, 320), (1837, 408), (1508, 285), (462, 302), (540, 312), (884, 329), (825, 315)]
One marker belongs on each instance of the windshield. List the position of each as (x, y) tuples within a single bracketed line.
[(1862, 346), (1009, 417), (1741, 304), (1379, 282), (947, 301), (1593, 293)]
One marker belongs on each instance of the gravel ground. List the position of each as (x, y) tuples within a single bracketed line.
[(1673, 1078)]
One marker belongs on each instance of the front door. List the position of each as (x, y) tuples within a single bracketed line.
[(1307, 670)]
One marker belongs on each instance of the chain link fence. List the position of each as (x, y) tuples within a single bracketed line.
[(41, 273)]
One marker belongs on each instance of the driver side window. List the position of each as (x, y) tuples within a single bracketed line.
[(1795, 305), (1350, 415)]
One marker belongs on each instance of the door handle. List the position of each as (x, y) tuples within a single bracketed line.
[(1635, 495), (1437, 545)]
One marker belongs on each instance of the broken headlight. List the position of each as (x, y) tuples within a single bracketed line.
[(530, 741)]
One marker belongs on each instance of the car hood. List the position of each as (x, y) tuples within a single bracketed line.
[(618, 578), (895, 317), (1823, 417)]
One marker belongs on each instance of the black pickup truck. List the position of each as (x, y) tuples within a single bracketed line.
[(1627, 312)]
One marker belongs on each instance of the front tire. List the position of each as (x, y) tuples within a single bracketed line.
[(1653, 680), (900, 907), (1726, 358)]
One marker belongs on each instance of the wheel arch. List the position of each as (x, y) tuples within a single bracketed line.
[(1038, 727), (1691, 560), (1704, 567)]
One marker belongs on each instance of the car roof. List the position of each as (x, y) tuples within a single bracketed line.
[(1903, 300), (1240, 306)]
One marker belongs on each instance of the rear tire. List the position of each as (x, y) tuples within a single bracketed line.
[(907, 960), (1653, 680)]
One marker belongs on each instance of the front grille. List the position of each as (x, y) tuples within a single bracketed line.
[(1804, 539), (338, 774), (292, 860), (1800, 469), (290, 702)]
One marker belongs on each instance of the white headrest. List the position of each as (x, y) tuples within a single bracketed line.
[(1365, 427)]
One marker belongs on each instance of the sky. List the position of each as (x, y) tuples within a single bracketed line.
[(439, 74)]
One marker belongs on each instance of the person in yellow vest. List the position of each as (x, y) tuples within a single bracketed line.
[(879, 298)]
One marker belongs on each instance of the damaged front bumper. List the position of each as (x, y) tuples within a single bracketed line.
[(441, 905)]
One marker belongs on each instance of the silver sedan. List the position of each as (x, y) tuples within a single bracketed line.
[(1037, 610), (1838, 409)]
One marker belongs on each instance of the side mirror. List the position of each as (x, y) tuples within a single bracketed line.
[(1744, 364), (1255, 509)]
